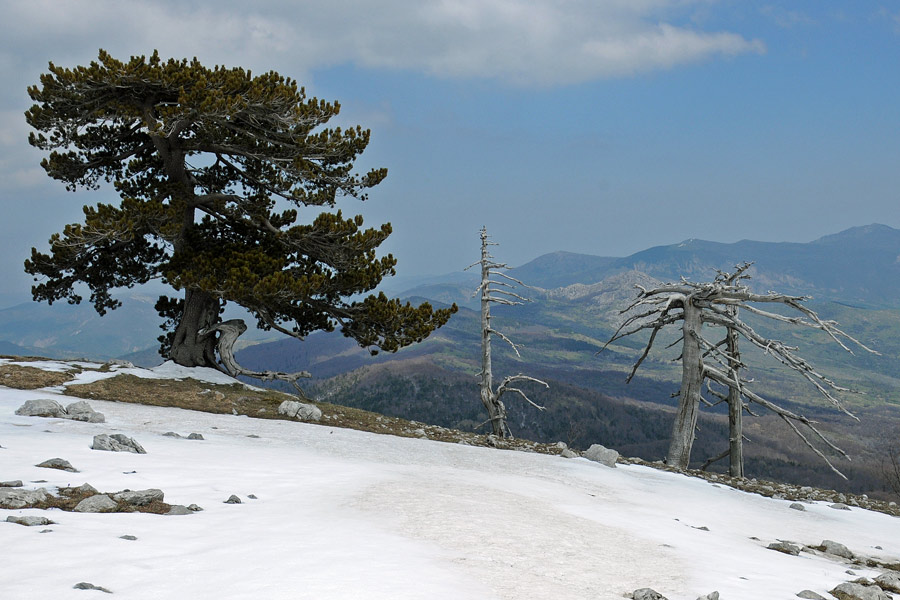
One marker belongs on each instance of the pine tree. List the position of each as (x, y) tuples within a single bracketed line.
[(211, 167)]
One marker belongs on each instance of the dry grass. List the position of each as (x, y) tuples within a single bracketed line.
[(69, 498), (32, 378)]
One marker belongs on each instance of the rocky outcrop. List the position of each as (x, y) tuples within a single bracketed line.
[(117, 442), (77, 411), (836, 549), (19, 498), (785, 547), (890, 581), (857, 591), (139, 497), (602, 455), (58, 463), (29, 520), (646, 594), (98, 503), (300, 410), (810, 595), (90, 586)]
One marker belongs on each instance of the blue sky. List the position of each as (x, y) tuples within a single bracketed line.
[(601, 127)]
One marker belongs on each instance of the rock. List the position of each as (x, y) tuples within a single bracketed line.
[(14, 483), (839, 506), (98, 503), (785, 547), (602, 455), (58, 463), (18, 498), (29, 521), (710, 596), (130, 538), (172, 434), (139, 497), (232, 499), (178, 509), (252, 496), (194, 508), (41, 408), (566, 453), (195, 436), (86, 488), (836, 549), (810, 595), (117, 443), (300, 410), (82, 411), (647, 594), (90, 586), (855, 591), (889, 581), (797, 506)]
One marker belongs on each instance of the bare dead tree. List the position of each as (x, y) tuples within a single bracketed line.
[(716, 304), (890, 468), (496, 287)]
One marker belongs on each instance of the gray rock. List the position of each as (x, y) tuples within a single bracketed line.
[(99, 503), (90, 586), (178, 509), (300, 410), (82, 411), (810, 595), (785, 547), (889, 581), (14, 483), (647, 594), (29, 521), (117, 443), (195, 436), (58, 463), (566, 453), (19, 498), (130, 538), (602, 455), (797, 506), (194, 508), (172, 434), (839, 506), (836, 549), (710, 596), (41, 408), (855, 591), (86, 488), (232, 499), (139, 497)]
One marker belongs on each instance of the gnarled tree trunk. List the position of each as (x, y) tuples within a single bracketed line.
[(691, 382), (190, 347)]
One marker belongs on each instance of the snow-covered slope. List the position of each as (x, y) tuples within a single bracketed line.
[(342, 514)]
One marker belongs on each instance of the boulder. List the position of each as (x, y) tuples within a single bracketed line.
[(14, 483), (839, 506), (810, 595), (117, 443), (836, 549), (855, 591), (90, 586), (710, 596), (41, 408), (82, 411), (232, 499), (566, 453), (785, 547), (602, 455), (86, 488), (19, 498), (300, 410), (647, 594), (29, 521), (96, 504), (889, 581), (195, 436), (797, 506), (139, 497), (58, 463), (178, 509)]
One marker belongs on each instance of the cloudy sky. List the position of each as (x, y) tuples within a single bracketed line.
[(594, 126)]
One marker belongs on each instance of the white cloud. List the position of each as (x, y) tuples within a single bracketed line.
[(527, 42)]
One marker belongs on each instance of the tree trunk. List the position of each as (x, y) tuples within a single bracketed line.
[(495, 414), (735, 409), (689, 398), (189, 347)]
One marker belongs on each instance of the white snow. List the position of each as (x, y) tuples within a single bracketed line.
[(343, 514)]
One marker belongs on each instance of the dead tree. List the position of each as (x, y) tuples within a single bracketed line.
[(494, 290), (716, 304)]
